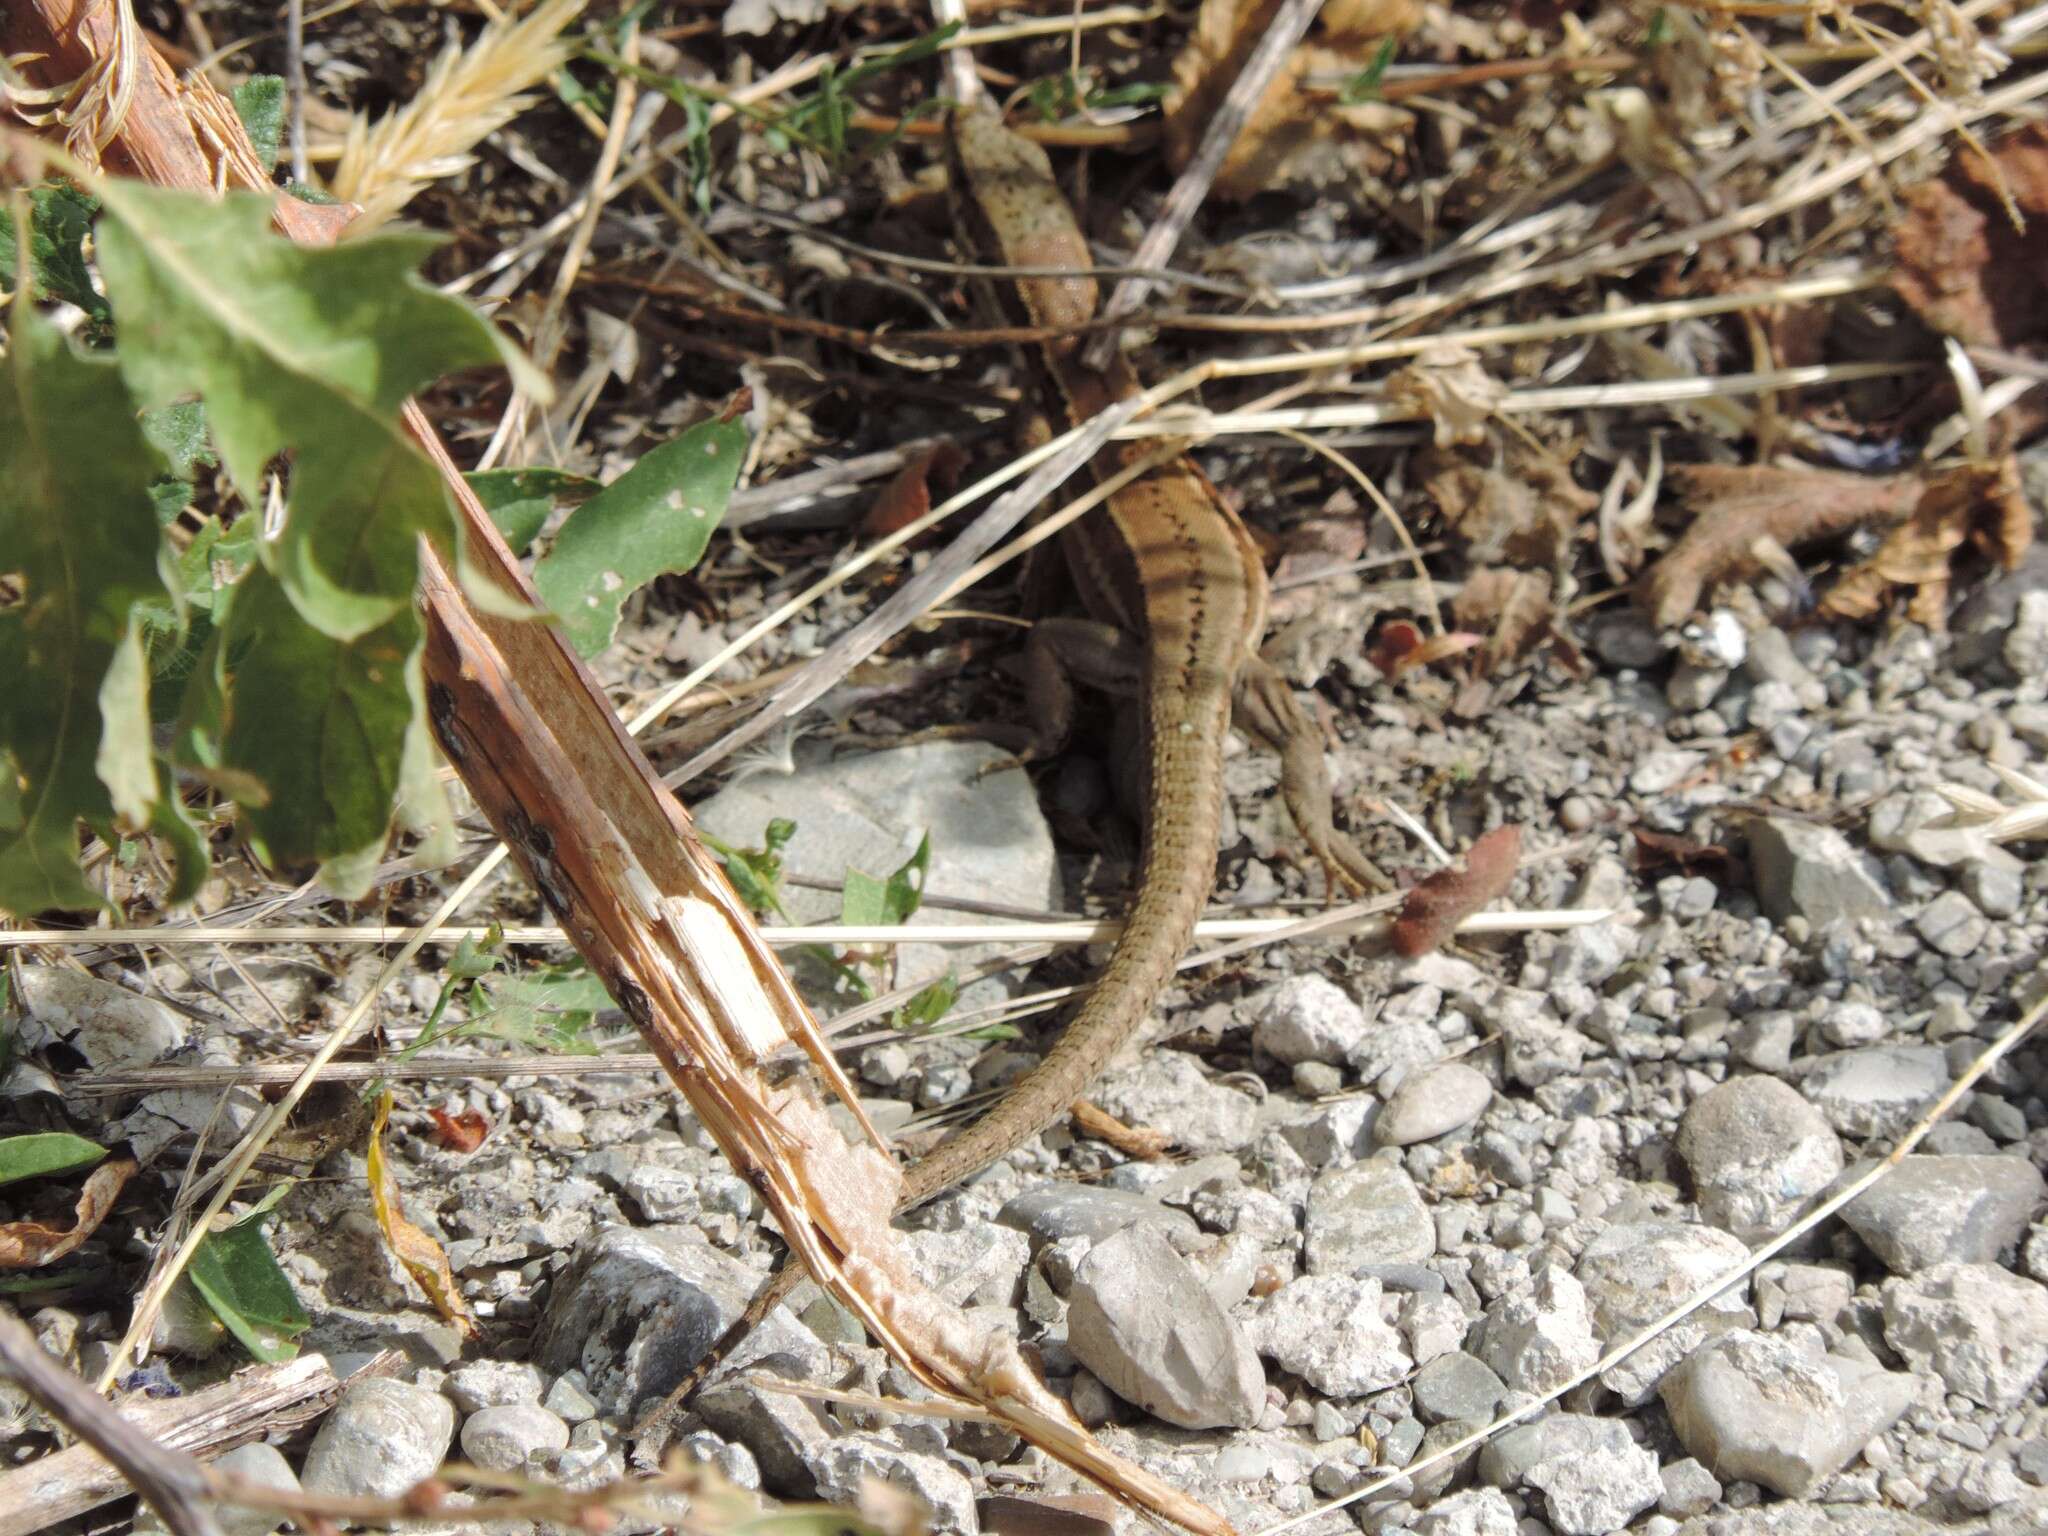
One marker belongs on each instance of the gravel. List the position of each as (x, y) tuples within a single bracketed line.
[(1403, 1196)]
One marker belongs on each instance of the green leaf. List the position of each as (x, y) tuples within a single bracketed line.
[(756, 873), (654, 519), (519, 500), (175, 826), (45, 1153), (551, 1011), (475, 957), (321, 724), (259, 101), (178, 432), (931, 1004), (78, 529), (300, 350), (60, 222), (1365, 85), (822, 117), (1140, 93), (866, 902), (238, 1277)]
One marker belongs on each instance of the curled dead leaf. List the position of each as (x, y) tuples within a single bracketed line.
[(1966, 265), (1287, 139), (1143, 1142), (1434, 908), (1438, 648), (1511, 608), (31, 1244), (1526, 511), (463, 1131), (419, 1253), (908, 495), (1397, 637)]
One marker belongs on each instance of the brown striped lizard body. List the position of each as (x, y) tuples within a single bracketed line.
[(1177, 597)]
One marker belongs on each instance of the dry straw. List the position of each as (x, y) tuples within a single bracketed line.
[(469, 94)]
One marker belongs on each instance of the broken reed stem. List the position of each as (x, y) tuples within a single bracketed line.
[(1986, 1060)]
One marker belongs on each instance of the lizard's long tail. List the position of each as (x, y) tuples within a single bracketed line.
[(1161, 922), (1181, 838)]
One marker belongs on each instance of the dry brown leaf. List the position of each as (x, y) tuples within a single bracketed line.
[(1528, 512), (908, 495), (1434, 908), (30, 1244), (1287, 139), (1962, 264), (419, 1253), (1738, 509), (1511, 607), (1447, 387), (463, 1131), (1658, 851), (1976, 504)]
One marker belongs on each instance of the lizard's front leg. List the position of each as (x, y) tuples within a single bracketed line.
[(1264, 708)]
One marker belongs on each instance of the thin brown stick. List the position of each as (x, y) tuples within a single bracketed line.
[(1289, 24), (169, 1483)]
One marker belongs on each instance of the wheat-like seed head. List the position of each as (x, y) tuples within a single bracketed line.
[(469, 93)]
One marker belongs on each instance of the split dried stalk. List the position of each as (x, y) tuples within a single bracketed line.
[(616, 859), (260, 1401)]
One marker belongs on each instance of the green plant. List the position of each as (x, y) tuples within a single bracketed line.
[(152, 646), (546, 1009), (1365, 85)]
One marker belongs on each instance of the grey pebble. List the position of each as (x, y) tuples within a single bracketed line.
[(1982, 1330), (1689, 1488), (382, 1437), (1758, 1154), (636, 1307), (1368, 1213), (1995, 887), (1804, 869), (1141, 1319), (1431, 1102), (946, 1496), (1327, 1330), (1938, 1210), (1879, 1090), (1457, 1386), (256, 1462), (1541, 1336), (1471, 1512), (1755, 1407), (567, 1399), (1309, 1018), (492, 1383), (1951, 925), (1056, 1212), (502, 1438)]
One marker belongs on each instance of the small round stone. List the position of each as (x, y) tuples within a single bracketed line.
[(501, 1439), (1431, 1102)]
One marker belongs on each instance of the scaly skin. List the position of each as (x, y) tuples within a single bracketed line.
[(1166, 561)]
